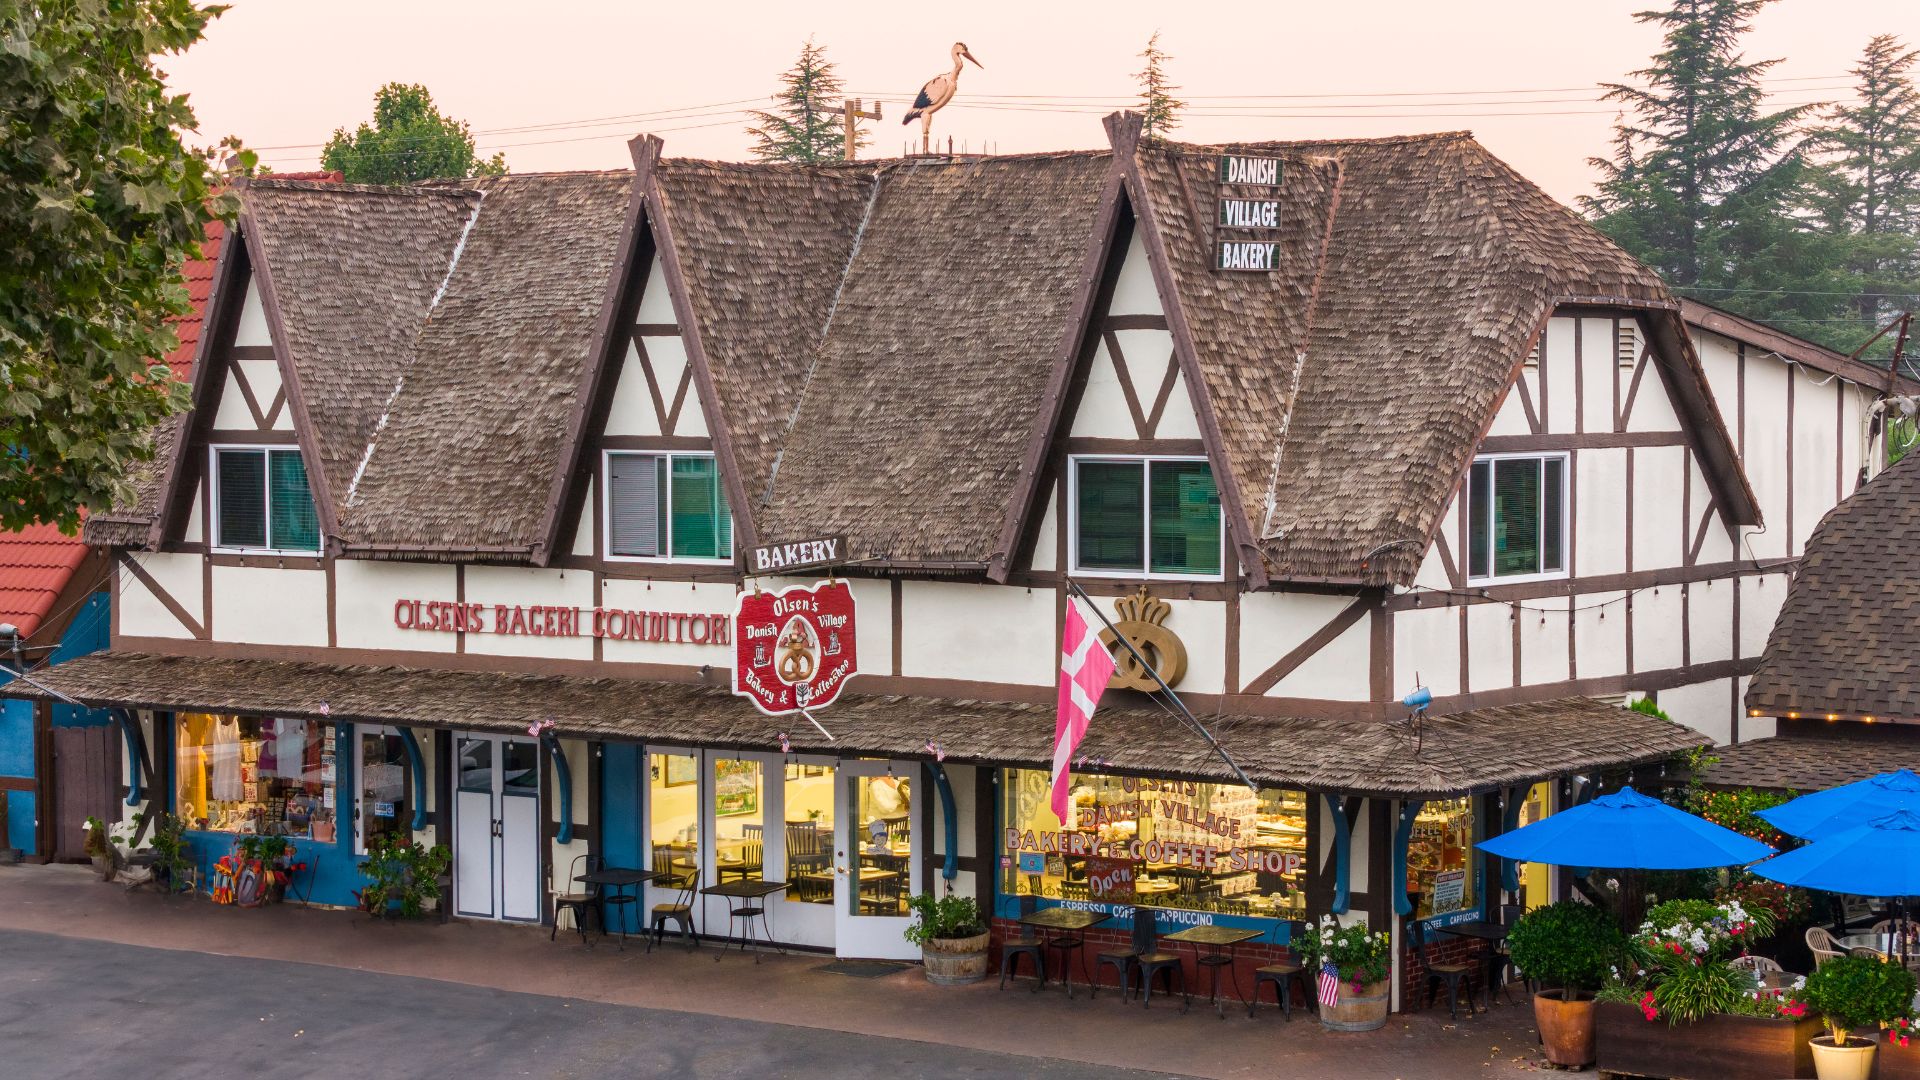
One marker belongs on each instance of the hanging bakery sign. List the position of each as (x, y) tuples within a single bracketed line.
[(1246, 214), (794, 649)]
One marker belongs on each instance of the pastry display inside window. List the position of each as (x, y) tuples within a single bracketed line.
[(1165, 843), (261, 775), (1440, 858)]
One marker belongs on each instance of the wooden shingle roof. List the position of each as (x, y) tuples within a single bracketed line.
[(1847, 641)]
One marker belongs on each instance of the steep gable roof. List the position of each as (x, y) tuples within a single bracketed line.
[(1848, 637)]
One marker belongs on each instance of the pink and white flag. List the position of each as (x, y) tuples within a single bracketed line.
[(1085, 667)]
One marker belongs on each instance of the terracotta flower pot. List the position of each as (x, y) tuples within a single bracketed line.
[(1566, 1026), (1853, 1061), (955, 961)]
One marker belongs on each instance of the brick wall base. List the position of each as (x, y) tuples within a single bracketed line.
[(1441, 949)]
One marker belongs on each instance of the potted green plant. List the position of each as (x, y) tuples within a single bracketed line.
[(952, 938), (173, 867), (1361, 960), (1571, 947), (402, 875), (1852, 994), (98, 848)]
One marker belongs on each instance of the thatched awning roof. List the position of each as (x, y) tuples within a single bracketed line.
[(1466, 752)]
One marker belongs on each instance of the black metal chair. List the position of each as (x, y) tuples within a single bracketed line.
[(1283, 975), (1027, 944), (1453, 975), (1155, 961), (579, 898), (1145, 936), (680, 911), (1500, 967)]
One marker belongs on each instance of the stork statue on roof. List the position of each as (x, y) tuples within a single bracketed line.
[(936, 93)]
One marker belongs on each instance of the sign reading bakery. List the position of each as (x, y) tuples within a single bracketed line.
[(794, 649)]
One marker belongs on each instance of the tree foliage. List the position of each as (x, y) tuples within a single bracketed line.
[(796, 130), (408, 140), (100, 203), (1159, 109)]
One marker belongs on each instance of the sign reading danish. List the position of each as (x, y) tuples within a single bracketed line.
[(794, 649)]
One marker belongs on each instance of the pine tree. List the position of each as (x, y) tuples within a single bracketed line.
[(408, 140), (796, 130), (1159, 108), (1865, 193), (1701, 174)]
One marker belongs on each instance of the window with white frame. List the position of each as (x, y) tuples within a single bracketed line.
[(1145, 517), (666, 506), (261, 501), (1516, 517)]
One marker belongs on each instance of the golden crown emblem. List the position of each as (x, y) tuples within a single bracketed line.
[(1144, 607)]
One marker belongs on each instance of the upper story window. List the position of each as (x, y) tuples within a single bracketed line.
[(1145, 517), (261, 500), (1516, 517), (667, 506)]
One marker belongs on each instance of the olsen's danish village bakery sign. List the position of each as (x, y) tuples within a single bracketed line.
[(1247, 213), (794, 649)]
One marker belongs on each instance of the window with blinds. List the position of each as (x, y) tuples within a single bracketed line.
[(661, 506), (262, 500), (1516, 517), (1146, 517)]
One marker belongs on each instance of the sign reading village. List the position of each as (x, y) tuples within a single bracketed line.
[(794, 649)]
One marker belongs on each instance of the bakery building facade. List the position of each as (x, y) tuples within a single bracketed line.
[(522, 514)]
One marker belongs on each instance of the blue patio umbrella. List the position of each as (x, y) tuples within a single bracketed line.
[(1849, 806), (1629, 831), (1879, 858)]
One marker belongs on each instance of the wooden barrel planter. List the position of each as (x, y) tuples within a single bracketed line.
[(1362, 1011), (1712, 1048), (956, 961)]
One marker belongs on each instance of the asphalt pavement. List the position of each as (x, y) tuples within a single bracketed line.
[(80, 1008)]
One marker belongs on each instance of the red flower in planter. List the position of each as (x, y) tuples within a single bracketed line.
[(1794, 1009), (1647, 1008)]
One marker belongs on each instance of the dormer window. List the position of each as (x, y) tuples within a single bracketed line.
[(261, 501), (1145, 517), (1517, 517), (666, 506)]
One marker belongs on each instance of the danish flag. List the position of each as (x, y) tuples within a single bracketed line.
[(1085, 667)]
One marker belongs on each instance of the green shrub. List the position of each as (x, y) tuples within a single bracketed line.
[(404, 870), (1569, 944), (1361, 957), (943, 917), (1854, 992)]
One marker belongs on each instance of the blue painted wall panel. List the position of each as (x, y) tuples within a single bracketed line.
[(16, 738), (621, 789), (20, 808)]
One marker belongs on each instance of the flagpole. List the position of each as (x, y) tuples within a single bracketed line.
[(1164, 688)]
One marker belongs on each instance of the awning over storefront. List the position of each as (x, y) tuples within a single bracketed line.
[(1805, 763), (1466, 752)]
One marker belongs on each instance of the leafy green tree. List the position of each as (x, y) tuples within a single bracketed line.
[(1159, 109), (1865, 193), (1701, 175), (408, 140), (796, 130), (100, 203)]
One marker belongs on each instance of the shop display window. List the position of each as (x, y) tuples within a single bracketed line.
[(673, 806), (739, 821), (259, 775), (883, 831), (386, 795), (1161, 843), (1440, 859), (809, 833)]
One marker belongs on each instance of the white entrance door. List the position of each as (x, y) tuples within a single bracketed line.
[(496, 825), (876, 859)]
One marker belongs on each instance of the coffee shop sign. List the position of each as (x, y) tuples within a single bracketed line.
[(560, 620)]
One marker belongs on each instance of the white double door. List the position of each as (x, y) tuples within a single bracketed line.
[(496, 825), (838, 834)]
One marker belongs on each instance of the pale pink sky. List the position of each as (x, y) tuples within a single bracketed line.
[(283, 75)]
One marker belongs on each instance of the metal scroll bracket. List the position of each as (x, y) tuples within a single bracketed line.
[(419, 767), (1342, 855), (1402, 836), (563, 779)]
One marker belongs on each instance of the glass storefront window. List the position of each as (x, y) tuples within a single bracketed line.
[(809, 833), (248, 774), (882, 830), (1440, 858), (739, 825), (1161, 843), (386, 801), (673, 801)]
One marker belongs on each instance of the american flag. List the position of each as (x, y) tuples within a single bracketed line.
[(1329, 983)]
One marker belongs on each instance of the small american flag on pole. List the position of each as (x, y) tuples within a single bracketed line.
[(1329, 983)]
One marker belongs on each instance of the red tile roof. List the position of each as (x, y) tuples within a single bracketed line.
[(37, 562)]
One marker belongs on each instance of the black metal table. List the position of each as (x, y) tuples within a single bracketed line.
[(740, 896), (1493, 934), (619, 879), (1220, 942), (1064, 929)]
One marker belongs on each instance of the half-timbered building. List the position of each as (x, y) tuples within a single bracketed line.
[(451, 543)]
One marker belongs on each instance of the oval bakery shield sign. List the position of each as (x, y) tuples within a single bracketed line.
[(794, 649)]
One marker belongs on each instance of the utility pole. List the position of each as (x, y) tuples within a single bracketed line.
[(850, 115)]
